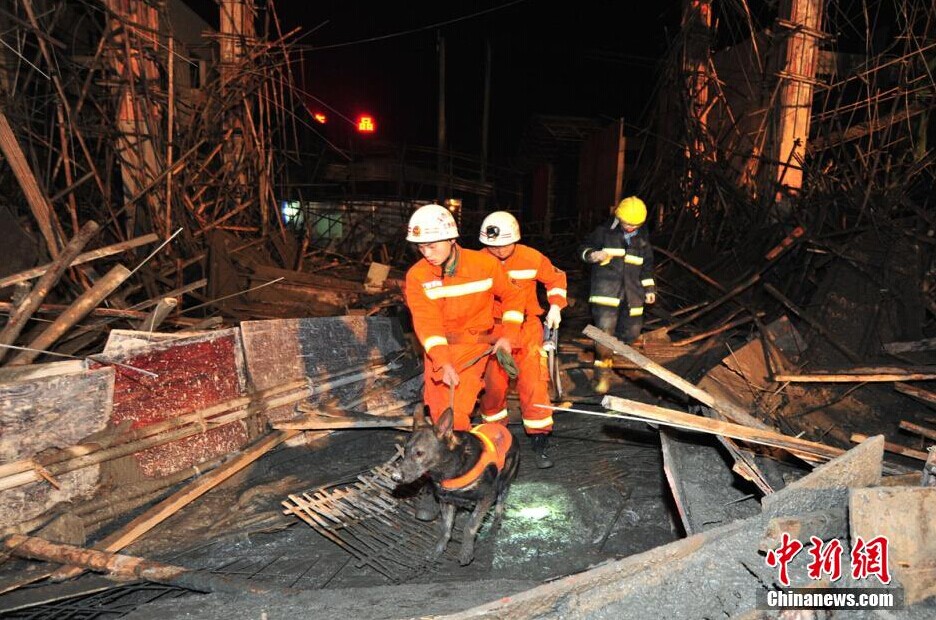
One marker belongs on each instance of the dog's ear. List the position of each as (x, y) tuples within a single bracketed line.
[(445, 424)]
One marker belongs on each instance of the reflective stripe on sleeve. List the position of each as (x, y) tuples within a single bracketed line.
[(636, 311), (647, 282), (495, 417), (513, 316), (537, 424), (522, 274), (630, 259), (561, 292), (459, 290), (599, 300), (434, 341), (616, 252)]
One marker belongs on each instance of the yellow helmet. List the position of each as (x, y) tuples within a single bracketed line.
[(631, 211)]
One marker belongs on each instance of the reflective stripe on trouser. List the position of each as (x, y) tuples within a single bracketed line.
[(532, 382), (470, 381)]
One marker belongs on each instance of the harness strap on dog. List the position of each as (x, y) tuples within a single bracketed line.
[(495, 441)]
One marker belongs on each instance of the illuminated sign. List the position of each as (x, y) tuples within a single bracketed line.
[(365, 124)]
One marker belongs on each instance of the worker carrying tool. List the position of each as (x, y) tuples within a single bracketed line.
[(525, 266), (451, 293), (621, 279)]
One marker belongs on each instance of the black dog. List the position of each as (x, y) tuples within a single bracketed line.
[(466, 469)]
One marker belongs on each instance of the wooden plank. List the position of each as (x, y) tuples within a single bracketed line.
[(929, 433), (924, 396), (860, 375), (145, 522), (320, 423), (895, 448), (728, 409), (79, 308), (687, 421), (126, 567), (926, 344), (123, 341), (86, 257), (44, 286), (35, 197), (36, 371), (904, 515), (46, 412)]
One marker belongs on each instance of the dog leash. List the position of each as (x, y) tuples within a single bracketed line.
[(504, 358)]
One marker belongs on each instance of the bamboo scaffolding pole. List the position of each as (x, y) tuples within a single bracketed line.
[(929, 433), (175, 502), (851, 375), (24, 311), (38, 201), (86, 257), (80, 308), (68, 459), (124, 567), (920, 394)]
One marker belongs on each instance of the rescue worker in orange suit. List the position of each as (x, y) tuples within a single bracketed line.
[(525, 266), (621, 278), (450, 294)]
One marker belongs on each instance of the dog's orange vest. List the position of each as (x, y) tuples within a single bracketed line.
[(495, 442)]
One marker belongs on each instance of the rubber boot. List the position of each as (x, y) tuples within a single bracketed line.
[(427, 506), (540, 443)]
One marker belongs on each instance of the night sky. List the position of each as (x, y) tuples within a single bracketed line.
[(586, 58)]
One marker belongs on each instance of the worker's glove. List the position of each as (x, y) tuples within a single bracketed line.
[(553, 317), (650, 298), (599, 256), (506, 360)]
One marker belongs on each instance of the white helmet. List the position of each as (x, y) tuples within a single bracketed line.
[(499, 228), (431, 223)]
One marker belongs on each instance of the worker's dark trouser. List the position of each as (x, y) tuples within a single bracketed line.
[(617, 322)]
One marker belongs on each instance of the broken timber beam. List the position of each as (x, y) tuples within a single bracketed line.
[(38, 201), (86, 257), (810, 450), (178, 500), (927, 344), (918, 430), (920, 394), (69, 459), (896, 448), (80, 308), (321, 423), (879, 374), (125, 567), (24, 311), (728, 409)]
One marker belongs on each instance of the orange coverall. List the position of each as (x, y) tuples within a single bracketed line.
[(525, 267), (453, 317)]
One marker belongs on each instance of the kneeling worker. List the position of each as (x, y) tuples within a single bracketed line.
[(525, 266)]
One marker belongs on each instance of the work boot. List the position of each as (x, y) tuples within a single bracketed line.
[(427, 507), (540, 443)]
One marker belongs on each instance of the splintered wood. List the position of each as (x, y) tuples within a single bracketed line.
[(368, 521)]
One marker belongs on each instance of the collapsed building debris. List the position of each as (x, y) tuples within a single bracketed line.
[(791, 207)]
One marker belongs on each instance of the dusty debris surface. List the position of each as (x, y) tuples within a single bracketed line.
[(603, 499)]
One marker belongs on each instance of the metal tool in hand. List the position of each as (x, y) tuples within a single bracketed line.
[(551, 346)]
